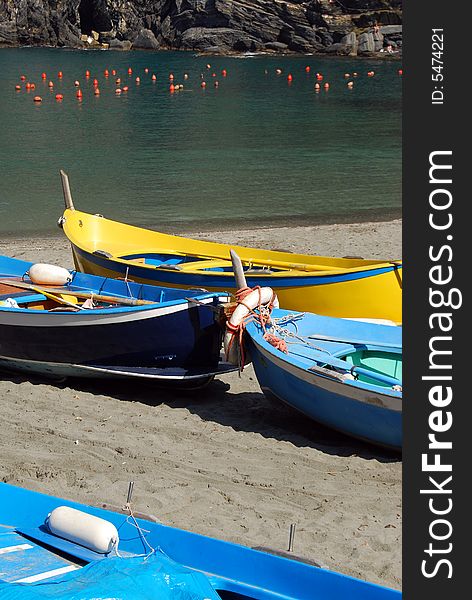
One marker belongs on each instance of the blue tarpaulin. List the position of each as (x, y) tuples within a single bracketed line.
[(117, 578)]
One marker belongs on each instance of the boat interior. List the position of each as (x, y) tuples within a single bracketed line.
[(34, 555)]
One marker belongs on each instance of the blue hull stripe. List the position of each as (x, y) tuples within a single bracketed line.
[(225, 281)]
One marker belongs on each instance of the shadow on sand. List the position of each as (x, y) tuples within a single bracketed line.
[(242, 411)]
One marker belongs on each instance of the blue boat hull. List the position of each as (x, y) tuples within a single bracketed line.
[(368, 412), (232, 571), (176, 336)]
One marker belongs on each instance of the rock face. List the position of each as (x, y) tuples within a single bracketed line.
[(350, 27)]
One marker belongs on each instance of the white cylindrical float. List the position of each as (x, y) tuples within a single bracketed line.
[(81, 528), (44, 274)]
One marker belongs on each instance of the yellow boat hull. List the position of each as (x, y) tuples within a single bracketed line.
[(339, 287)]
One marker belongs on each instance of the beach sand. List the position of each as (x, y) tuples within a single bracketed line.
[(223, 461)]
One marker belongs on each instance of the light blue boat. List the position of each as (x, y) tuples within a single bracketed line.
[(342, 373), (147, 561)]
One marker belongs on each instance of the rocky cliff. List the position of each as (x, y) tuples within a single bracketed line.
[(346, 27)]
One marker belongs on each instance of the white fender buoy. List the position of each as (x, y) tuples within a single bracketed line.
[(84, 529), (263, 296), (44, 274)]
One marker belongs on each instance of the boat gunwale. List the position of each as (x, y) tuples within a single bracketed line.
[(373, 264)]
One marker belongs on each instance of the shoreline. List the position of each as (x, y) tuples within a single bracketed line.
[(223, 461), (381, 56), (338, 239)]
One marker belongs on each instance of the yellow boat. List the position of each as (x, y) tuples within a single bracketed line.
[(338, 287)]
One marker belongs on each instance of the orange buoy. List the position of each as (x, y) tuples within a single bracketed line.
[(319, 76), (43, 75), (171, 87), (307, 69), (96, 91), (153, 77), (289, 77), (23, 77), (106, 73), (130, 71), (79, 93), (87, 73), (213, 74), (95, 82), (60, 74), (50, 84), (113, 72), (76, 83), (125, 88), (28, 85), (118, 91), (370, 73), (32, 86), (138, 80), (224, 73), (203, 84), (37, 99), (59, 97), (400, 71), (17, 87)]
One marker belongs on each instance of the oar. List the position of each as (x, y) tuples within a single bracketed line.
[(57, 299), (330, 338), (332, 361), (100, 297)]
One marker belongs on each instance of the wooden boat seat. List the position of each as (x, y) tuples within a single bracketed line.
[(9, 291)]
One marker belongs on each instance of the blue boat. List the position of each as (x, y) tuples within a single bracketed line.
[(54, 548), (343, 373), (100, 327)]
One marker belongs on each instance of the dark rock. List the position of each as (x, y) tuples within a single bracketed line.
[(146, 40), (391, 29), (229, 25), (200, 38), (120, 44), (366, 43), (276, 46), (350, 43)]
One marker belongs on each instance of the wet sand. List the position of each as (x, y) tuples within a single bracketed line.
[(223, 461)]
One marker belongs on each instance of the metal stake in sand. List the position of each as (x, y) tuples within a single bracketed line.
[(66, 191), (291, 537), (130, 492), (238, 270)]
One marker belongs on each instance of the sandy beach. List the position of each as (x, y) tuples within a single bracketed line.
[(223, 461)]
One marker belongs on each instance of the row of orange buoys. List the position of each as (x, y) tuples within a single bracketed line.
[(119, 88), (173, 86)]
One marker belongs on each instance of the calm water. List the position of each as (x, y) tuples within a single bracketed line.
[(254, 150)]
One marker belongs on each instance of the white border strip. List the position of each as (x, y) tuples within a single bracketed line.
[(47, 574), (16, 548)]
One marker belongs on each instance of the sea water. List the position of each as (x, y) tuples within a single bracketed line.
[(255, 150)]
